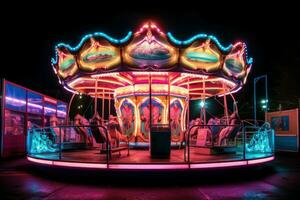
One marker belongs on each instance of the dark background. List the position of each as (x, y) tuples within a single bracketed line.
[(270, 31)]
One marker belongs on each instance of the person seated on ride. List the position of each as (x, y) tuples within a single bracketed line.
[(225, 132), (96, 120), (57, 130), (214, 126), (82, 126), (194, 130), (113, 131)]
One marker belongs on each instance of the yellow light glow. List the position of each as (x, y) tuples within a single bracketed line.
[(202, 50), (98, 56)]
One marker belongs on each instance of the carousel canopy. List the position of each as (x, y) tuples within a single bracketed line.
[(200, 67)]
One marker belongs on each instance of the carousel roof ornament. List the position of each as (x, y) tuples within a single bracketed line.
[(202, 62)]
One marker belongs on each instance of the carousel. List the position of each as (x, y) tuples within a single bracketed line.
[(149, 77)]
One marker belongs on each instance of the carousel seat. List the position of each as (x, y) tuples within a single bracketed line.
[(103, 138)]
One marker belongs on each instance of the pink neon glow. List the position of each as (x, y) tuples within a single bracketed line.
[(41, 161), (68, 164), (237, 44), (14, 100), (217, 165), (146, 26), (149, 166), (70, 90), (81, 165), (50, 100), (262, 160)]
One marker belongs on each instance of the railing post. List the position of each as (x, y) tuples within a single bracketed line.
[(188, 143), (60, 143), (107, 146), (244, 142), (184, 151)]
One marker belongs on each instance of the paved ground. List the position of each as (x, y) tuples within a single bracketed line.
[(277, 180)]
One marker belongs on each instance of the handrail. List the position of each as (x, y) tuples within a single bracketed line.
[(74, 126), (202, 125), (187, 138)]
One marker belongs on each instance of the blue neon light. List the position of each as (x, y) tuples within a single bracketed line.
[(41, 141), (15, 98), (249, 60), (97, 34), (199, 36), (260, 142)]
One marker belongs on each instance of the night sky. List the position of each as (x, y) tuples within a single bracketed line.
[(270, 34)]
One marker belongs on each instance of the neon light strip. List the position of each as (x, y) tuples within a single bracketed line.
[(217, 165), (15, 100), (41, 161), (71, 90), (93, 88), (194, 75), (50, 100), (68, 164), (231, 92), (80, 165), (198, 36), (261, 160), (148, 166), (104, 75), (151, 166), (72, 83), (32, 105), (232, 84), (207, 88), (152, 73), (115, 75)]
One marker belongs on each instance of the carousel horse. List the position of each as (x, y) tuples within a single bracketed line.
[(82, 128)]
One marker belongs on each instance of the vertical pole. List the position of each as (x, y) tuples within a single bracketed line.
[(102, 104), (204, 112), (254, 100), (150, 100), (225, 106), (188, 122), (60, 149), (109, 102), (266, 90), (203, 109), (169, 100), (254, 95), (188, 104), (244, 142), (226, 109), (96, 96), (69, 108)]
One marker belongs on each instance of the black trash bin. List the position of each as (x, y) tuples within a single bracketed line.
[(160, 141)]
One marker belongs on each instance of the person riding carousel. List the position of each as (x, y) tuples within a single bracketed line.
[(57, 130), (96, 120), (83, 126), (113, 130)]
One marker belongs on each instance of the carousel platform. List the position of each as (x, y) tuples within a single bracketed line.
[(141, 160)]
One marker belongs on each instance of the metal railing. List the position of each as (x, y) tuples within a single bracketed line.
[(51, 142), (209, 134)]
